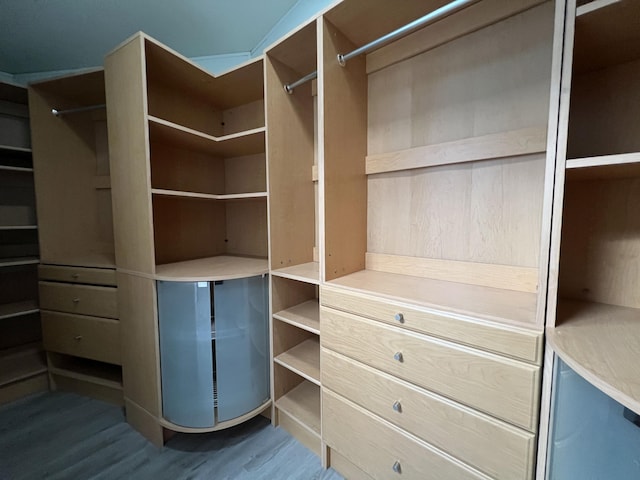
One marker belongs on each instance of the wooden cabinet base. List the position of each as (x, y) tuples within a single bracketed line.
[(29, 386)]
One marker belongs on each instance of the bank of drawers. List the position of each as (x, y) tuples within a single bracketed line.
[(80, 319), (474, 401)]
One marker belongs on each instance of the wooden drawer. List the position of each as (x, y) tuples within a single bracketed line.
[(507, 340), (375, 446), (82, 336), (93, 276), (80, 299), (494, 447), (500, 386)]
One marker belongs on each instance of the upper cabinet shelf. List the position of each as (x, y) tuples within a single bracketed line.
[(223, 267)]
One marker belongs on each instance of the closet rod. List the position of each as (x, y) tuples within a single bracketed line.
[(408, 28), (59, 113), (289, 87)]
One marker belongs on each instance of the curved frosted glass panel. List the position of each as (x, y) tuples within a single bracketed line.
[(242, 345), (590, 437), (184, 315)]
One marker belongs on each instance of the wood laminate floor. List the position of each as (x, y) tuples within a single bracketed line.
[(66, 436)]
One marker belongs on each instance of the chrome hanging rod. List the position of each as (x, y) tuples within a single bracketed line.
[(408, 28), (289, 87), (59, 113)]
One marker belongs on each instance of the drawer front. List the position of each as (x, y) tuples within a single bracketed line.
[(82, 336), (93, 276), (502, 387), (382, 450), (80, 299), (494, 447), (512, 341)]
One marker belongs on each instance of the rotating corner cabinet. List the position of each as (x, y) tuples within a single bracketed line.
[(214, 350)]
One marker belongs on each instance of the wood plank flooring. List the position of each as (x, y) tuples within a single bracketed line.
[(65, 436)]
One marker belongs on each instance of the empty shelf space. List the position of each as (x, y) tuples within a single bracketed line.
[(223, 267), (305, 272), (303, 404), (13, 262), (10, 310), (503, 306), (18, 227), (303, 359), (305, 316), (604, 166), (86, 370), (600, 342), (21, 363), (239, 144), (209, 196)]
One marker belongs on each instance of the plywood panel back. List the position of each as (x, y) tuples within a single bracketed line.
[(246, 174), (243, 117), (246, 228), (290, 157), (342, 105), (487, 212), (493, 80), (600, 250)]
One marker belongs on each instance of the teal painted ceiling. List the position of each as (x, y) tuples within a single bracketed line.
[(47, 35)]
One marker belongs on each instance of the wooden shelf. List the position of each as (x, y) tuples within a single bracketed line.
[(303, 405), (600, 342), (303, 359), (223, 267), (589, 7), (20, 363), (493, 304), (18, 227), (13, 262), (8, 168), (89, 371), (12, 149), (17, 309), (209, 196), (236, 145), (305, 316), (624, 165), (305, 272)]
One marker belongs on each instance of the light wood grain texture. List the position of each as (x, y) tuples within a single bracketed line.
[(303, 359), (592, 6), (145, 423), (304, 315), (208, 196), (303, 404), (502, 306), (507, 340), (18, 261), (80, 299), (300, 433), (246, 227), (470, 19), (497, 145), (173, 428), (342, 128), (290, 157), (345, 467), (484, 212), (298, 50), (600, 242), (61, 382), (623, 165), (374, 445), (494, 447), (125, 82), (306, 272), (82, 336), (600, 342), (15, 391), (286, 293), (17, 309), (223, 267), (502, 387), (246, 174), (92, 276), (493, 80), (243, 117), (66, 157), (21, 363), (520, 279)]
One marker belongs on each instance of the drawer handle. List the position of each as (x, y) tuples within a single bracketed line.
[(397, 406), (399, 317), (76, 300), (75, 275), (77, 338), (397, 467), (398, 356)]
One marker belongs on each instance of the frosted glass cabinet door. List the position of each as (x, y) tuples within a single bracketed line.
[(186, 360), (242, 345)]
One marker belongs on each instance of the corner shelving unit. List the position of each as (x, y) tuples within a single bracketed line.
[(294, 184), (23, 368)]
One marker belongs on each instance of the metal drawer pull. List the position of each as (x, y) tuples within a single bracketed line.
[(77, 338), (400, 317), (76, 300), (75, 275), (397, 406), (398, 356), (397, 468)]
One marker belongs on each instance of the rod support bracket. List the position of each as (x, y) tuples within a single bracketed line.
[(341, 60), (288, 89)]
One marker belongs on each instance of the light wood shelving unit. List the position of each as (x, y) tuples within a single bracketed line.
[(22, 362), (594, 301), (190, 193)]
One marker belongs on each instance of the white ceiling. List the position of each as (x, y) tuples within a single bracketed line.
[(47, 35)]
